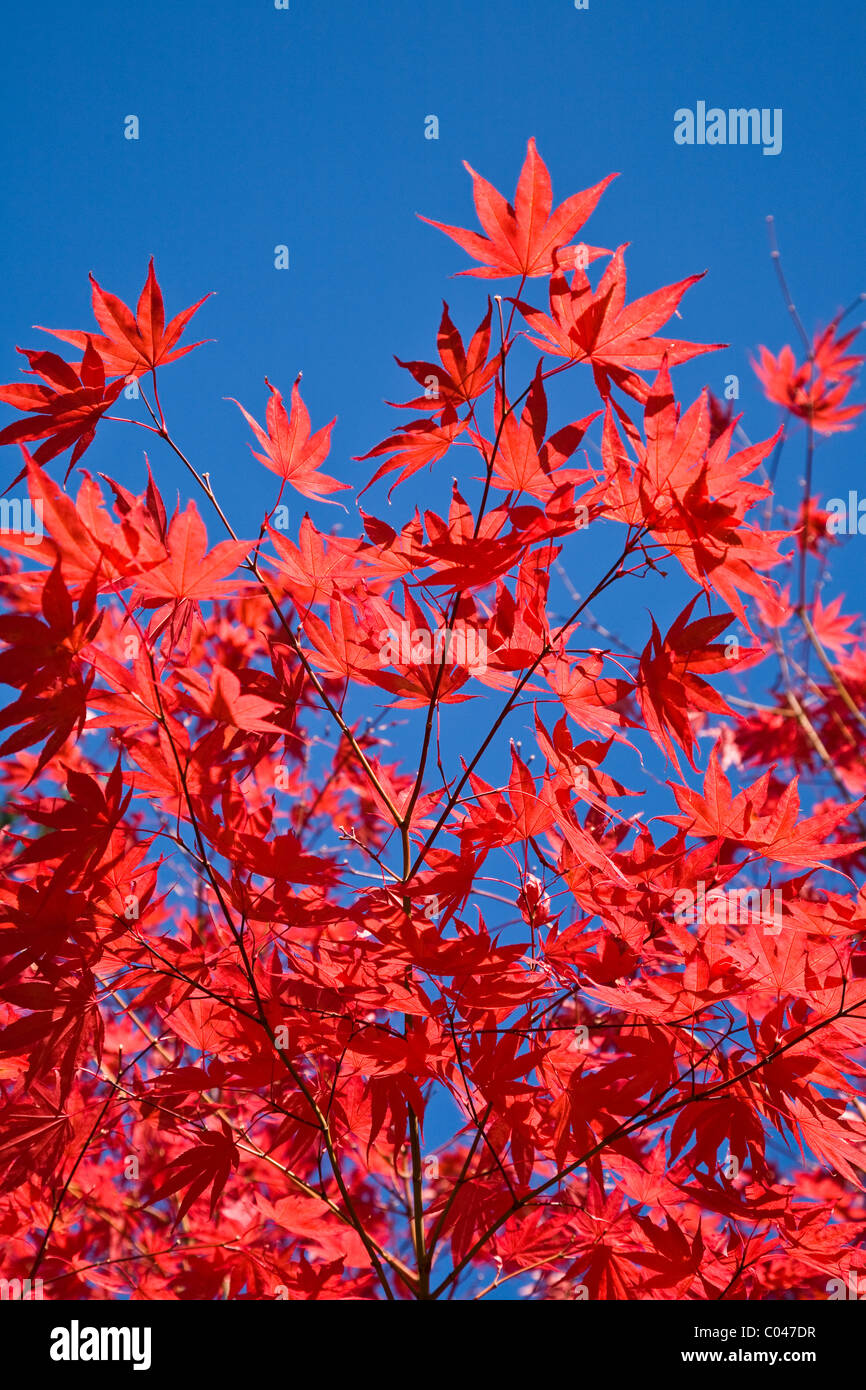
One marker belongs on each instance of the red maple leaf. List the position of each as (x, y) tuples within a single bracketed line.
[(207, 1165), (815, 390), (521, 239), (417, 443), (755, 820), (131, 345), (66, 410), (290, 449), (190, 571), (463, 376), (617, 338), (670, 683), (525, 462)]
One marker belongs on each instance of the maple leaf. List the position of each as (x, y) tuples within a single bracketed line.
[(732, 1123), (80, 829), (314, 569), (83, 535), (715, 813), (518, 630), (427, 660), (42, 660), (64, 1026), (780, 835), (190, 571), (676, 1260), (36, 1130), (602, 329), (816, 390), (492, 821), (342, 648), (593, 701), (417, 443), (390, 553), (65, 411), (283, 858), (290, 449), (831, 625), (224, 701), (207, 1165), (462, 377), (524, 461), (812, 526), (831, 1137), (578, 764), (131, 345), (520, 240), (753, 821), (669, 686), (691, 494), (40, 651), (465, 557)]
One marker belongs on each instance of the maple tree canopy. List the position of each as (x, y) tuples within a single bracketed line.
[(293, 1008)]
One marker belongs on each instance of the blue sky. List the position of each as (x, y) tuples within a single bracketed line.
[(306, 127)]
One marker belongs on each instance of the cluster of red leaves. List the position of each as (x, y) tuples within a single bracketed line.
[(266, 1030), (815, 390)]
